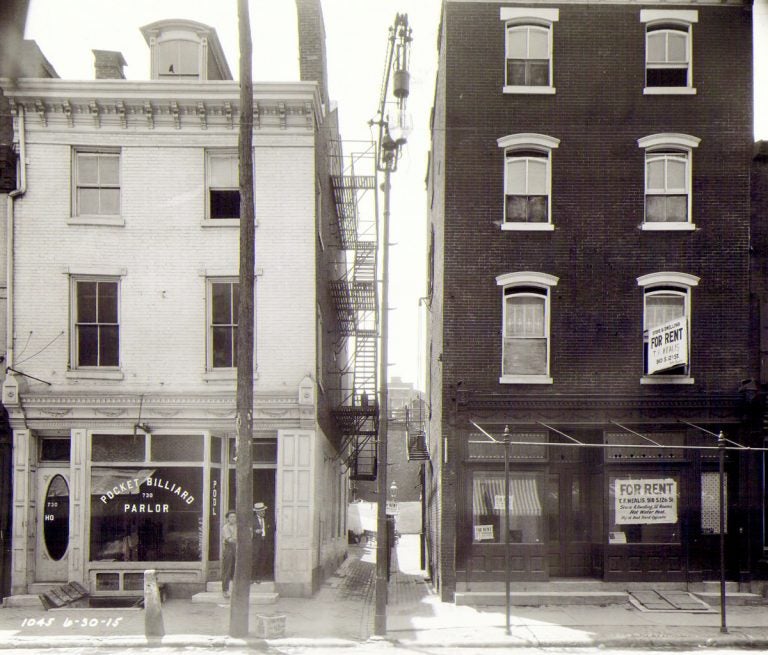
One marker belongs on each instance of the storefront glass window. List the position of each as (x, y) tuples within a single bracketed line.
[(643, 508), (526, 520), (146, 513)]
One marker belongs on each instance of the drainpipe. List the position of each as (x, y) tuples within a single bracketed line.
[(20, 190)]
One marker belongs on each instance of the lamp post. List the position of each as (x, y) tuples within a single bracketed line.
[(721, 467), (393, 133), (507, 441)]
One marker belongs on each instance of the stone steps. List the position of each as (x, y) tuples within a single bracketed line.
[(262, 593)]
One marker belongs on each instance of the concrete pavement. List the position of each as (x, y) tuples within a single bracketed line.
[(341, 615)]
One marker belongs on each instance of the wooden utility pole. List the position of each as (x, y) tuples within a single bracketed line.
[(238, 611)]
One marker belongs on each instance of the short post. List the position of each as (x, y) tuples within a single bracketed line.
[(153, 611)]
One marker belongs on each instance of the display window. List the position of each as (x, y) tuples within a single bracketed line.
[(643, 508), (148, 512), (489, 515)]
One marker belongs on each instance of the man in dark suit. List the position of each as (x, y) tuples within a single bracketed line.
[(262, 533)]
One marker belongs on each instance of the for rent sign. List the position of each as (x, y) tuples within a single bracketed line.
[(646, 501), (668, 345)]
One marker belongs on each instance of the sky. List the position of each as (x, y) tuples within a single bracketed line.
[(356, 43)]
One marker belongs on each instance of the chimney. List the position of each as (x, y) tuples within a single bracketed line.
[(312, 61), (108, 64)]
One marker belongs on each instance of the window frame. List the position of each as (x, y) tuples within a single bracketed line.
[(667, 283), (529, 145), (211, 154), (669, 146), (669, 21), (77, 216), (530, 283), (178, 40), (74, 366), (542, 19), (226, 371)]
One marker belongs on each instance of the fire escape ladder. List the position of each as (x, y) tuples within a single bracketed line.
[(355, 296)]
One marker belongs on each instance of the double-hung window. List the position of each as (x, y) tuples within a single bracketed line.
[(525, 348), (223, 185), (223, 307), (667, 327), (96, 324), (96, 183), (527, 181), (668, 181), (668, 50), (528, 49)]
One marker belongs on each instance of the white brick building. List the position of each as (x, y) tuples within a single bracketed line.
[(124, 261)]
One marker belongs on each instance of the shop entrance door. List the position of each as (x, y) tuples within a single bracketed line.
[(52, 523), (263, 492), (568, 520)]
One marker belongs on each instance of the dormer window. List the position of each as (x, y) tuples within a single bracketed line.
[(178, 59), (185, 50)]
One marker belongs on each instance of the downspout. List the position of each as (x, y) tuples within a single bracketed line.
[(20, 190)]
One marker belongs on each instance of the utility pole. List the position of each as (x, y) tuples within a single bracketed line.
[(393, 133), (238, 610)]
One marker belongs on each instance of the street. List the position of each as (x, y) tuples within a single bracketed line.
[(368, 648)]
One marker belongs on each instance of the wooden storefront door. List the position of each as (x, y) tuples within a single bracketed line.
[(567, 508)]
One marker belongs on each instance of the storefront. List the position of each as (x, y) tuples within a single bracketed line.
[(613, 504)]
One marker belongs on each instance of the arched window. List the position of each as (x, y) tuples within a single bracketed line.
[(527, 181), (525, 327), (668, 50), (528, 49), (667, 327), (668, 181)]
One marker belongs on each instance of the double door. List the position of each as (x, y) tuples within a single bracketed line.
[(568, 508)]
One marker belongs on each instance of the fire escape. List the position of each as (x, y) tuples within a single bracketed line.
[(355, 296)]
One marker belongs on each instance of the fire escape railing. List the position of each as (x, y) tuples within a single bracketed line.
[(355, 295)]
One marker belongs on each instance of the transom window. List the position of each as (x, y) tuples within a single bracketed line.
[(525, 327), (96, 329), (668, 181), (97, 183), (223, 185), (224, 303), (178, 59), (667, 326)]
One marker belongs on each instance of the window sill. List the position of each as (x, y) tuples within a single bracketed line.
[(525, 379), (114, 221), (669, 91), (666, 379), (527, 227), (224, 375), (94, 374), (668, 227), (220, 222), (534, 90)]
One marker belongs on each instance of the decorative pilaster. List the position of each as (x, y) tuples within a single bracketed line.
[(23, 534), (78, 498)]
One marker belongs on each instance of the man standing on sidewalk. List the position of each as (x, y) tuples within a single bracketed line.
[(229, 539), (260, 544)]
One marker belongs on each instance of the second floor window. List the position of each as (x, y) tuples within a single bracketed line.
[(224, 304), (97, 183), (223, 184), (666, 187), (526, 187), (96, 338)]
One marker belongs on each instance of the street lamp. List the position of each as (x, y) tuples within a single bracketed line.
[(394, 127)]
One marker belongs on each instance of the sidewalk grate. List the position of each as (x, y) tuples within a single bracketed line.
[(652, 600)]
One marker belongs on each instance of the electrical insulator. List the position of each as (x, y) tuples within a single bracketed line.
[(401, 83)]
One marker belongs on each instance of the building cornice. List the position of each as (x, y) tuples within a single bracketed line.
[(151, 104), (719, 3)]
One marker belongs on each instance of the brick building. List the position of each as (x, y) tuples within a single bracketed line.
[(123, 308), (589, 185)]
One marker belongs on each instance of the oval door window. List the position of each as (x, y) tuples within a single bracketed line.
[(56, 517)]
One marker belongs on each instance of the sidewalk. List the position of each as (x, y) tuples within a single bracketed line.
[(341, 615)]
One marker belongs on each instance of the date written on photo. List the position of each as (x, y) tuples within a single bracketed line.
[(82, 622)]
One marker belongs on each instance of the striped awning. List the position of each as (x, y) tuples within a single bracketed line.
[(524, 493)]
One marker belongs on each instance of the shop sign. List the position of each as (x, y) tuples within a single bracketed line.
[(391, 507), (668, 345), (498, 502), (484, 532), (652, 500)]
